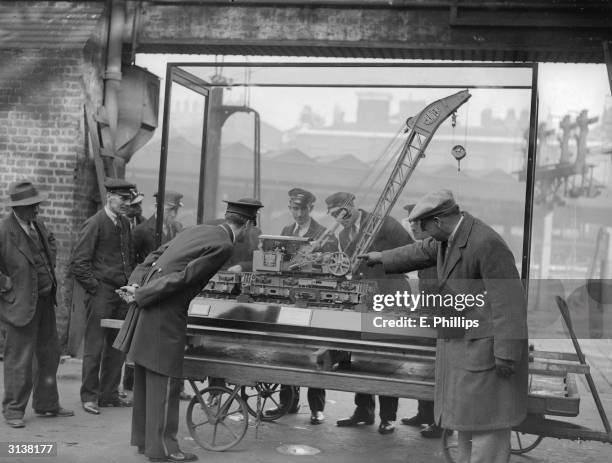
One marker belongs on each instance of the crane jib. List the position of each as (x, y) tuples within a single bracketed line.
[(421, 129)]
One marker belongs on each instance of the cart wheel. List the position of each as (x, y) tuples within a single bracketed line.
[(222, 424), (522, 443), (270, 398), (519, 443)]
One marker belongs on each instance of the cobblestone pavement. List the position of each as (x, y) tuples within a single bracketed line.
[(105, 438)]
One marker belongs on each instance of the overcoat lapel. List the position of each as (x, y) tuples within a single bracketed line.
[(19, 238), (456, 250)]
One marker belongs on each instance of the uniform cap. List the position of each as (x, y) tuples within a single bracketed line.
[(172, 198), (137, 199), (246, 207), (339, 199), (433, 204), (24, 193), (119, 186), (301, 197)]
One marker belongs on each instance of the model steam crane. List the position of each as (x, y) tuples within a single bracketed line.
[(294, 269)]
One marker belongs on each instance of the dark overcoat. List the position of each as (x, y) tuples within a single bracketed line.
[(391, 235), (18, 304), (143, 237), (469, 395), (154, 332)]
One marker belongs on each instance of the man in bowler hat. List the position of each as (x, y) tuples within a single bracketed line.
[(155, 330), (27, 309), (341, 206), (102, 262)]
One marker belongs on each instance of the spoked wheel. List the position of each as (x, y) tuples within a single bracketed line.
[(220, 421), (522, 443), (270, 399)]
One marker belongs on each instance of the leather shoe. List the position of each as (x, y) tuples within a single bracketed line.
[(178, 456), (386, 427), (317, 418), (355, 420), (91, 407), (115, 402), (60, 412), (416, 420), (433, 431), (15, 422)]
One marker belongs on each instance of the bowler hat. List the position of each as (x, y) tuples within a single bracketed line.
[(246, 207), (301, 197), (433, 204), (340, 199), (24, 193)]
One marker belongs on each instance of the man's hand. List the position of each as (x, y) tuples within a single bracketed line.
[(127, 293), (235, 268), (371, 258), (504, 368)]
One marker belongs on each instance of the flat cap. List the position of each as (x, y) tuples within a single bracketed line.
[(433, 204), (339, 199), (119, 186), (172, 198), (246, 207), (301, 197)]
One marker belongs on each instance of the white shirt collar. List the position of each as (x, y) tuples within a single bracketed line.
[(111, 215), (452, 235), (302, 229)]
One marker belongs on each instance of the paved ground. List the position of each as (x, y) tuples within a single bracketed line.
[(105, 438)]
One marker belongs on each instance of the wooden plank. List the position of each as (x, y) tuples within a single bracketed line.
[(568, 356), (557, 368)]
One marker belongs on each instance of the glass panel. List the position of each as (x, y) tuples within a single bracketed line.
[(326, 139)]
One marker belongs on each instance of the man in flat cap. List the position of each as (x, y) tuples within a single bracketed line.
[(341, 206), (144, 234), (27, 308), (481, 372), (301, 204), (102, 262), (154, 333)]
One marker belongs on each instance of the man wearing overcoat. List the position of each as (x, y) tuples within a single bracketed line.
[(102, 261), (155, 331), (342, 207), (481, 372), (27, 308)]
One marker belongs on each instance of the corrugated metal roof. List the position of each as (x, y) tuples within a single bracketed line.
[(48, 24)]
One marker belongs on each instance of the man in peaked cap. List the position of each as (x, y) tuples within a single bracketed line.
[(134, 210), (341, 206), (488, 360), (102, 262), (27, 308), (144, 233), (301, 204), (161, 288)]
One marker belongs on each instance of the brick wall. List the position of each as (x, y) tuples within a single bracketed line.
[(43, 138)]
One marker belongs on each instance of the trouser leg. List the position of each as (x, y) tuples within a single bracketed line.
[(128, 377), (316, 399), (285, 395), (112, 359), (162, 411), (93, 343), (19, 347), (464, 446), (45, 396), (139, 410), (491, 446), (426, 411), (365, 404), (388, 407)]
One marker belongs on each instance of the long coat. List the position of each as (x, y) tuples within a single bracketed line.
[(391, 235), (469, 396), (17, 305), (314, 232), (154, 332), (143, 237)]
